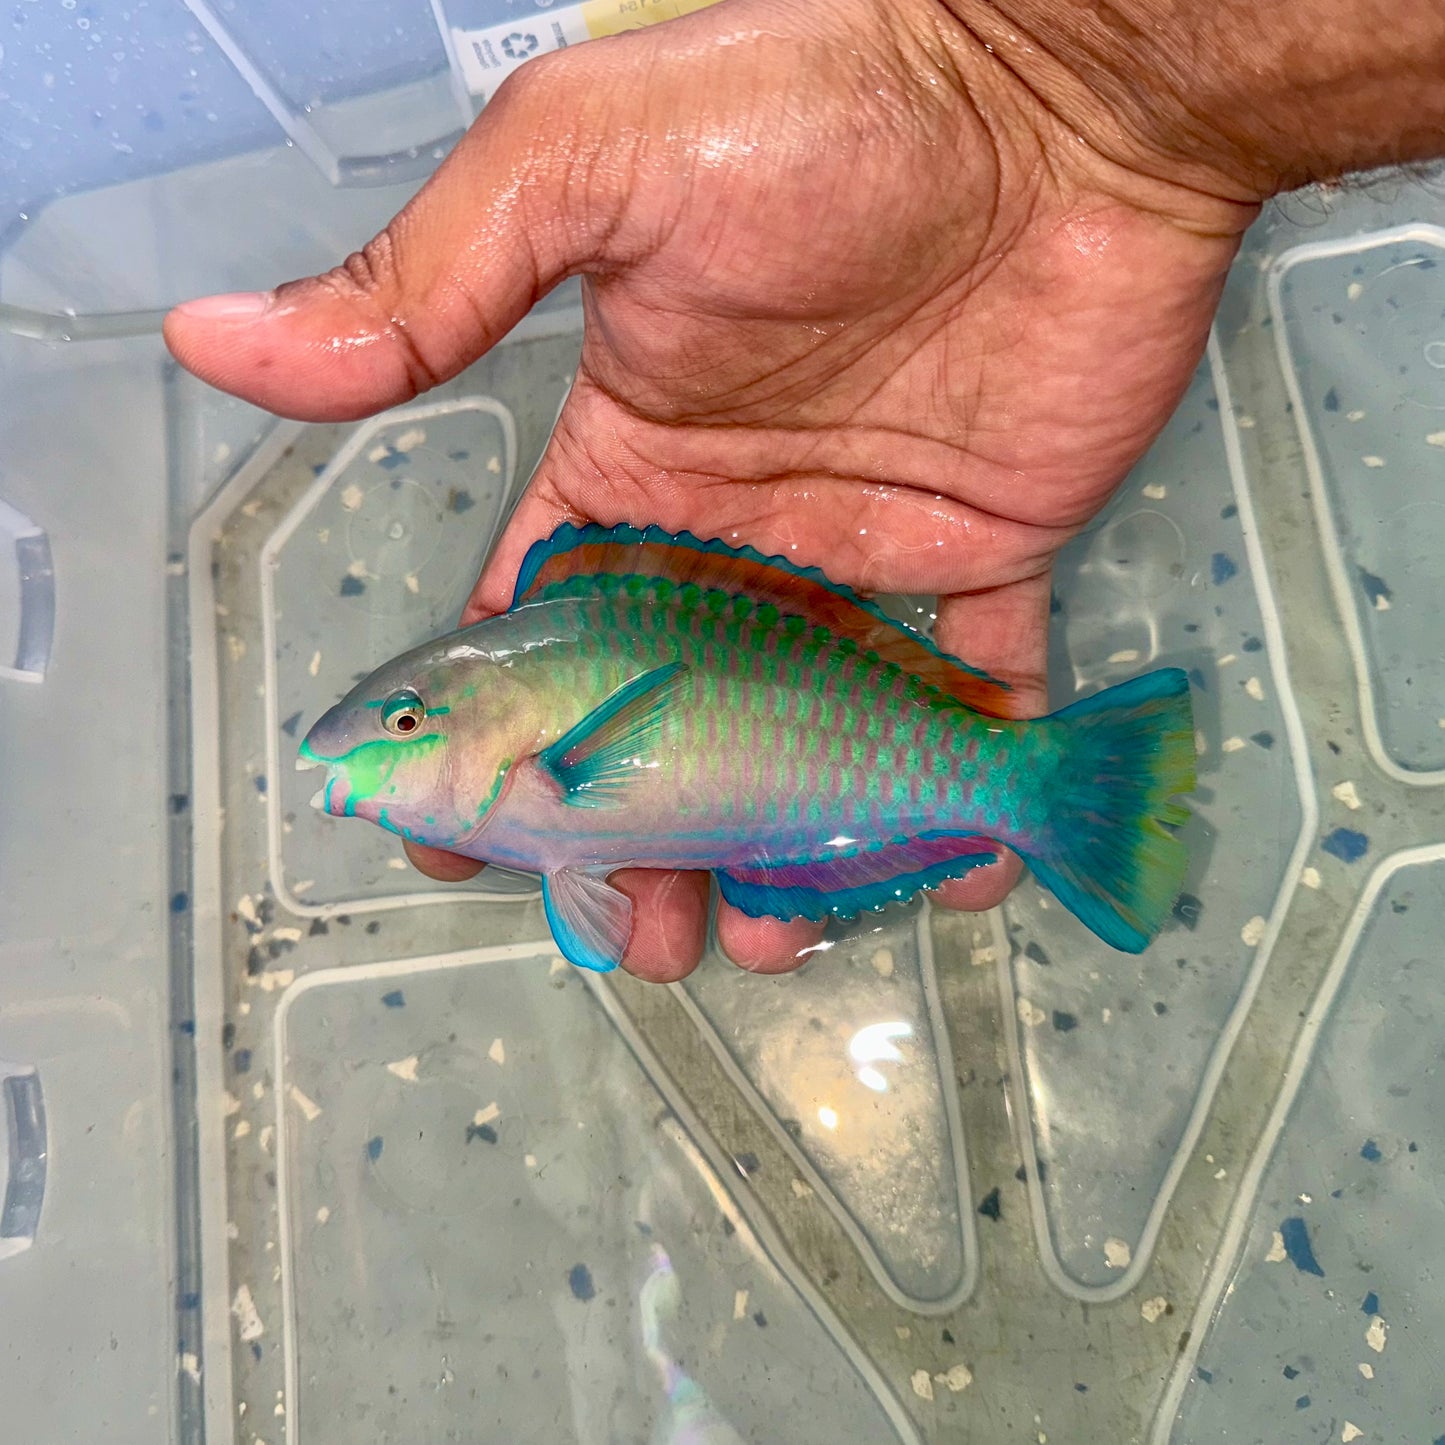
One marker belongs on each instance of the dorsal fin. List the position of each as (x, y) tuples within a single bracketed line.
[(573, 551)]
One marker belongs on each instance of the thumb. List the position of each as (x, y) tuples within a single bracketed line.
[(494, 229)]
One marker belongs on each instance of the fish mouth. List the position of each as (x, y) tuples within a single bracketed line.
[(326, 798)]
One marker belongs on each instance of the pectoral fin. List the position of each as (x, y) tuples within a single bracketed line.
[(590, 919), (596, 759)]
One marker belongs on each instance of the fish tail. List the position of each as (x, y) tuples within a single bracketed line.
[(1108, 851)]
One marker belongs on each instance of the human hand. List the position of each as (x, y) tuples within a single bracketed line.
[(853, 295)]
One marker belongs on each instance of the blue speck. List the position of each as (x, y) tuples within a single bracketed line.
[(459, 455), (1196, 676), (991, 1207), (579, 1281), (1290, 1373), (460, 501), (1370, 1305), (484, 1132), (395, 999), (187, 1027), (255, 1349), (1229, 511), (1332, 400), (1221, 568), (191, 1300), (1206, 1375), (241, 1060), (260, 782), (1064, 1021), (1346, 844), (352, 586), (1262, 739), (1082, 1388), (180, 902), (1297, 1246), (1303, 1403), (392, 460), (373, 1148), (1371, 1151), (291, 724), (317, 468)]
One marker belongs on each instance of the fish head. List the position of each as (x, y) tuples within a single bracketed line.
[(422, 746)]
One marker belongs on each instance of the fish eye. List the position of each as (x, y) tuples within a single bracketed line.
[(402, 712)]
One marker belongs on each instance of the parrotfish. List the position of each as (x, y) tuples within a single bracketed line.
[(652, 700)]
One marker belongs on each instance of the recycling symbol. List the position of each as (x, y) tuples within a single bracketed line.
[(518, 46)]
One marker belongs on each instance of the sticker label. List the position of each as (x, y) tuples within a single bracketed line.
[(488, 56)]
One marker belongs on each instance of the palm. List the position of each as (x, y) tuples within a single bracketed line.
[(855, 327)]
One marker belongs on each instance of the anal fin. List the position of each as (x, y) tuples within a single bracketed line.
[(843, 886)]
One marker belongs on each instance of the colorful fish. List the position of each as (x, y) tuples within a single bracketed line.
[(656, 701)]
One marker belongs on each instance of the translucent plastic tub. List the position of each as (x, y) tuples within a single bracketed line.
[(301, 1147)]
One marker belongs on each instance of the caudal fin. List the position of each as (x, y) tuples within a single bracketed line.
[(1108, 853)]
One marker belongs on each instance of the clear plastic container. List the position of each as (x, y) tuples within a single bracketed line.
[(300, 1147)]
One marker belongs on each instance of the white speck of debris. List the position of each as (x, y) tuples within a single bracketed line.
[(176, 568), (1374, 462), (903, 1332), (351, 497), (494, 465), (1346, 794), (1125, 654), (356, 568), (1105, 1015), (247, 1318), (233, 1230), (280, 1407), (1156, 491), (1375, 1335), (376, 453), (740, 1304), (1201, 743), (1221, 1174), (558, 965), (922, 1383), (315, 665), (1355, 290), (1246, 421), (246, 907), (1255, 688), (323, 535), (1030, 1015), (267, 1137), (190, 1365), (1382, 603), (1253, 931), (485, 1116), (272, 979), (883, 962), (323, 1214), (1117, 1253), (1305, 1198), (222, 452), (308, 1106), (1435, 439), (530, 1160), (983, 955), (802, 1189), (410, 440), (230, 1104), (304, 886), (956, 1377), (243, 1128), (1367, 1370), (1310, 877), (1231, 745), (397, 863), (1153, 1309), (286, 935), (1228, 658), (1277, 1252), (1351, 1432), (498, 1052), (1354, 416), (252, 508), (412, 585), (404, 1068)]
